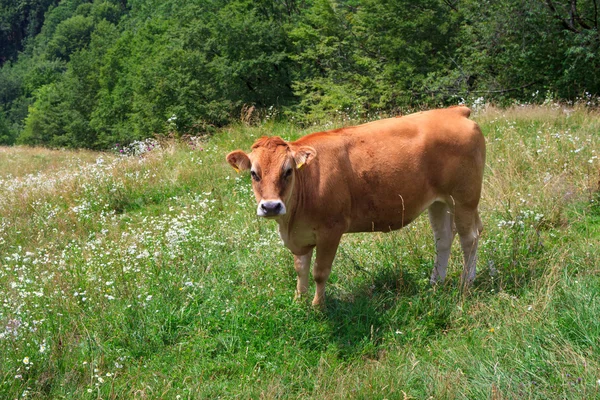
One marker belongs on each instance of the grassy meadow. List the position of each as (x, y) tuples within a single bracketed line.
[(149, 276)]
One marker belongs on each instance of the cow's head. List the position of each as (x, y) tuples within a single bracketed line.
[(273, 164)]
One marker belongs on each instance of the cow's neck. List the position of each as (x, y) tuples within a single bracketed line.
[(288, 229), (294, 204)]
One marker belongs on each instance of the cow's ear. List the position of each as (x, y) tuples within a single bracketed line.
[(303, 155), (238, 160)]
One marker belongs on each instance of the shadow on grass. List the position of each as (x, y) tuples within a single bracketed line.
[(361, 321), (396, 306)]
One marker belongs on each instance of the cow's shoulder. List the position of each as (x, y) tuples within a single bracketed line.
[(325, 139)]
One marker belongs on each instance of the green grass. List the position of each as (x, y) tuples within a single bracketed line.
[(151, 277)]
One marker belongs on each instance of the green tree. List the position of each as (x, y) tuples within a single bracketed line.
[(72, 97), (20, 20), (6, 135), (200, 62), (357, 56), (71, 35)]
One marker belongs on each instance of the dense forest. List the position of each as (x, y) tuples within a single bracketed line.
[(76, 73)]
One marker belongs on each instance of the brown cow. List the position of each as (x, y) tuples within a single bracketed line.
[(374, 177)]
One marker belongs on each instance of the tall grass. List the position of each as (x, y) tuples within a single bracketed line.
[(150, 277)]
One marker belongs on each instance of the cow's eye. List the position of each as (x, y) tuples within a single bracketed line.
[(255, 176), (287, 173)]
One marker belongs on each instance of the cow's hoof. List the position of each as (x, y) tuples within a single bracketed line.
[(300, 297), (318, 303), (466, 284), (437, 281)]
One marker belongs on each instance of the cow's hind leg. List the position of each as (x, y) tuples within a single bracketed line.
[(442, 222), (302, 267), (469, 227)]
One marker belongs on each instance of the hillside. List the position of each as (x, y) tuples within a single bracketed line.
[(148, 276)]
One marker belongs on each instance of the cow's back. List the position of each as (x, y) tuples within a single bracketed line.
[(381, 175)]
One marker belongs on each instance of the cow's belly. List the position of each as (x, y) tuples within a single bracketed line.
[(376, 226), (387, 213), (380, 224)]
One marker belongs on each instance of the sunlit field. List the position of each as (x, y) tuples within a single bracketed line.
[(146, 274)]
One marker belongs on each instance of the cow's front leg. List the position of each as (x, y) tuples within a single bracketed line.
[(302, 267), (326, 249)]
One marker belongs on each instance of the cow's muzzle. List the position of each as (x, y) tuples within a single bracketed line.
[(270, 208)]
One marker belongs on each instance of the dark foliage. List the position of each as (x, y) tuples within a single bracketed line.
[(93, 73)]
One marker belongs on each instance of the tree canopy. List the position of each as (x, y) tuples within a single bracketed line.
[(78, 73)]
